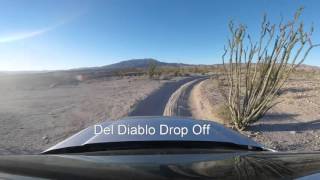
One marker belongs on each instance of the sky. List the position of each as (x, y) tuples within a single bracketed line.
[(65, 34)]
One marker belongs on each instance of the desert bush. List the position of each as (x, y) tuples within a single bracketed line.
[(177, 72), (152, 70), (256, 71)]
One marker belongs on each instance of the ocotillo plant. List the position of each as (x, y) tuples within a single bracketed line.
[(257, 70)]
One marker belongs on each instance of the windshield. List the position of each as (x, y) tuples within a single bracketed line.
[(91, 76)]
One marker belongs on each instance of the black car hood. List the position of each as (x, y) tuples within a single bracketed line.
[(167, 163), (217, 134), (201, 165)]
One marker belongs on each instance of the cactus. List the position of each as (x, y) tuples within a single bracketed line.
[(256, 71)]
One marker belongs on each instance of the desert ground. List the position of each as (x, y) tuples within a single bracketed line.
[(292, 125), (37, 112)]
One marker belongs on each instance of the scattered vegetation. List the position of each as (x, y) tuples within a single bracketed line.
[(256, 71), (223, 113), (306, 74), (152, 70)]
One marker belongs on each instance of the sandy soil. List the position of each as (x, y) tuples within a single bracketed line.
[(36, 113), (202, 99), (178, 104), (292, 125)]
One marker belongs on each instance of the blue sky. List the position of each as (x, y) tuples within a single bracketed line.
[(63, 34)]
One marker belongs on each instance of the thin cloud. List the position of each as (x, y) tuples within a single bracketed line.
[(24, 35), (30, 34)]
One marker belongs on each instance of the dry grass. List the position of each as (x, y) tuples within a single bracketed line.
[(223, 113)]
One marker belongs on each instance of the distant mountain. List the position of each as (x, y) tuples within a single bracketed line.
[(140, 63), (109, 70), (308, 67)]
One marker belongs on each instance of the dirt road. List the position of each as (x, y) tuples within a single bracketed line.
[(155, 103), (179, 104)]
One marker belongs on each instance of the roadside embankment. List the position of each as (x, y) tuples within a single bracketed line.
[(177, 102), (206, 102), (292, 125)]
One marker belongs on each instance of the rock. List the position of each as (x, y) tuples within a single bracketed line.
[(257, 133), (45, 139), (52, 85), (293, 132), (165, 77)]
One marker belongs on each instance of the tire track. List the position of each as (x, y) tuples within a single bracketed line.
[(155, 103), (178, 103)]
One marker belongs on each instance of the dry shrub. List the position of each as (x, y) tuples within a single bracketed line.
[(256, 71)]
